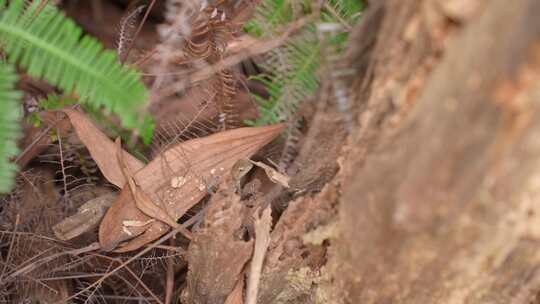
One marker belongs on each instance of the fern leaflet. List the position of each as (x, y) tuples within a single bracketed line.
[(50, 46), (291, 70), (10, 113)]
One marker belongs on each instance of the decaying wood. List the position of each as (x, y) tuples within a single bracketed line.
[(218, 253), (86, 219), (443, 208), (294, 267), (236, 296)]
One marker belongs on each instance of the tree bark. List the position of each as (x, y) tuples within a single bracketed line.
[(440, 195)]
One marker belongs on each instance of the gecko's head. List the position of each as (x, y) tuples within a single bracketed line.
[(241, 168)]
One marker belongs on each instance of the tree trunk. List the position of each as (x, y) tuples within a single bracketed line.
[(442, 180)]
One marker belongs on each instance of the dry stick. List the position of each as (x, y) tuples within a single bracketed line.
[(262, 240), (179, 250), (133, 258), (37, 258), (169, 282), (41, 6), (232, 48), (132, 43), (64, 178)]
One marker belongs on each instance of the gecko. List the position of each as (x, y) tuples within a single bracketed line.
[(238, 171)]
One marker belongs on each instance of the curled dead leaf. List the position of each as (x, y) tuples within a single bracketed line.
[(101, 148), (200, 161), (273, 174)]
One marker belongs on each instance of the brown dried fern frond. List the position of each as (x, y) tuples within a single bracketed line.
[(203, 42), (208, 43), (228, 108), (212, 31), (126, 30)]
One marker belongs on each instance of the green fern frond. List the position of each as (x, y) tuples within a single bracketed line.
[(10, 113), (290, 77), (291, 70), (50, 46)]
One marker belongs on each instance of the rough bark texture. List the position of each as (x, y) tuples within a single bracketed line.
[(217, 255), (434, 200), (439, 195)]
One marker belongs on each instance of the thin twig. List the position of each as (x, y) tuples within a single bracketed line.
[(41, 6), (145, 58), (63, 168), (169, 282)]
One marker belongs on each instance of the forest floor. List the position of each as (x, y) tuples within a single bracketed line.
[(52, 251)]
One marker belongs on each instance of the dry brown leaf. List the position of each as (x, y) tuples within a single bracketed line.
[(273, 174), (101, 148), (201, 162), (142, 201)]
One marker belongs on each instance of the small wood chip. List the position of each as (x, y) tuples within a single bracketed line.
[(86, 219), (262, 240)]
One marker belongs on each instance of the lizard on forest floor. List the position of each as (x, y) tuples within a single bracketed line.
[(238, 173)]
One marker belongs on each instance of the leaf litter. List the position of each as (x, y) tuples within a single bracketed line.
[(156, 196), (193, 160)]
